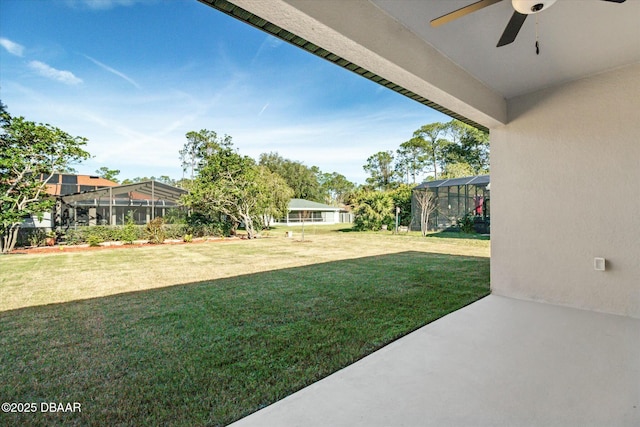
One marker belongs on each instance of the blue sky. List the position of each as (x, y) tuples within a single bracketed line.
[(134, 76)]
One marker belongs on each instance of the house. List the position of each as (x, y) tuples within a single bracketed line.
[(92, 200), (61, 184), (455, 198), (556, 342), (307, 211)]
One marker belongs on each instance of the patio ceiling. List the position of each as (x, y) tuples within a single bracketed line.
[(455, 68), (577, 38)]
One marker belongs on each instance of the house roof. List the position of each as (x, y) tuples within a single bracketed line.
[(56, 181), (469, 180), (95, 180), (139, 190), (308, 205)]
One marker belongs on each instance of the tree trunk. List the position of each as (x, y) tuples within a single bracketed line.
[(9, 238), (424, 224), (248, 225), (427, 204)]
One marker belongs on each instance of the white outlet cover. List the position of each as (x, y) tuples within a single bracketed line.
[(599, 264)]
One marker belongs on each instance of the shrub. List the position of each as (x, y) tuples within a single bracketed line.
[(373, 209), (175, 216), (465, 224), (94, 240), (175, 231), (36, 237), (129, 232), (74, 237), (402, 198), (154, 230), (201, 225), (101, 232)]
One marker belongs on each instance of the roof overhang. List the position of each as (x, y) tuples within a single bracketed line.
[(456, 68), (308, 205), (340, 32)]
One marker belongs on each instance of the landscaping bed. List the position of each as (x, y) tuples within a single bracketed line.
[(113, 245)]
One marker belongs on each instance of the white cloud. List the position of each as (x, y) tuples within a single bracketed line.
[(66, 77), (12, 47), (101, 4), (113, 71), (263, 108), (269, 42)]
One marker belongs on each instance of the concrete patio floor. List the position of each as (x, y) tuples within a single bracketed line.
[(497, 362)]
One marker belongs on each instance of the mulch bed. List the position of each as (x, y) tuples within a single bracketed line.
[(86, 248)]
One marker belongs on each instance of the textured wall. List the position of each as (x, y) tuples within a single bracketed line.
[(565, 187)]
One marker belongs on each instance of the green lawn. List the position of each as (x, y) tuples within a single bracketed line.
[(204, 334)]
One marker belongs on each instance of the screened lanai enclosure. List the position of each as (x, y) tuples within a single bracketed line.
[(111, 205), (86, 200), (454, 199)]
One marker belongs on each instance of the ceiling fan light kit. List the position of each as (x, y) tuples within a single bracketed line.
[(527, 7), (522, 9)]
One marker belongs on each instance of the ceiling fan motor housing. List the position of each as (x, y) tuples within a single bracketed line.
[(527, 7)]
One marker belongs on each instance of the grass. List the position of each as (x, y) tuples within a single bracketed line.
[(204, 334)]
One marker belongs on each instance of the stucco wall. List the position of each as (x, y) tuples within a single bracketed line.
[(565, 177)]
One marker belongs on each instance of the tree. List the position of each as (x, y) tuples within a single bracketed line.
[(302, 179), (276, 195), (233, 185), (427, 204), (402, 199), (138, 179), (166, 179), (457, 170), (380, 167), (372, 210), (183, 183), (468, 146), (447, 150), (335, 187), (29, 154), (411, 159), (304, 215), (432, 136), (274, 162), (198, 146), (110, 174)]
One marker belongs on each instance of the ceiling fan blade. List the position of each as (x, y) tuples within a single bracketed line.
[(513, 27), (462, 12), (616, 1)]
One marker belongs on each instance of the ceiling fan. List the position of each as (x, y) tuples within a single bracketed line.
[(523, 8)]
